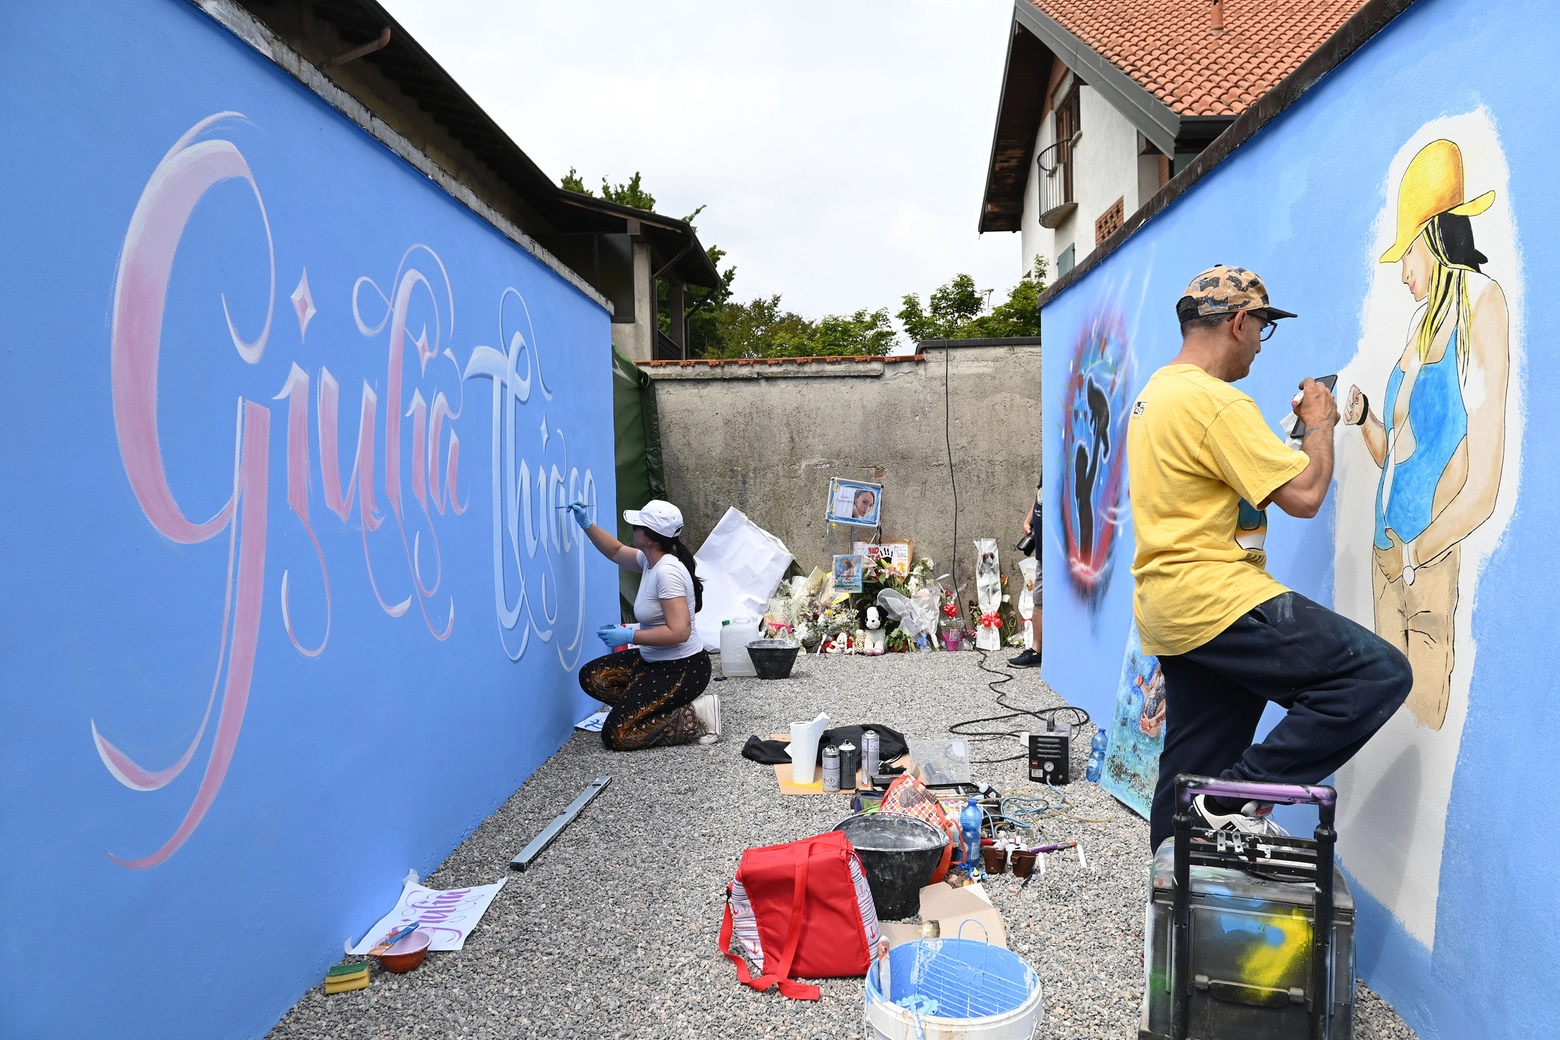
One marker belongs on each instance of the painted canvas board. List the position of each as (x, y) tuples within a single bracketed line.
[(895, 555), (854, 502), (847, 572), (1137, 729)]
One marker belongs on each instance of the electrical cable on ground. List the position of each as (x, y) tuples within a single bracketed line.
[(1080, 717), (948, 441)]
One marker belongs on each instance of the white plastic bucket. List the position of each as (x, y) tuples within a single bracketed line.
[(1017, 1021), (734, 638)]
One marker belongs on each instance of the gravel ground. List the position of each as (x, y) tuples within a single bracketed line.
[(612, 933)]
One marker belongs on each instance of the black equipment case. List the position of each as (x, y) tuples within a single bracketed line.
[(1230, 948)]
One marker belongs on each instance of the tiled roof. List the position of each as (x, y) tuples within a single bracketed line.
[(1167, 45)]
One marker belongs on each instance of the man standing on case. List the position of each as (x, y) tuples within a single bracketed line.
[(1204, 466)]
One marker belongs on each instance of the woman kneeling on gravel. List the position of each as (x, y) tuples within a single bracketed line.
[(656, 687)]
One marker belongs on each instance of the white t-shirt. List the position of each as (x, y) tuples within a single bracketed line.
[(668, 579)]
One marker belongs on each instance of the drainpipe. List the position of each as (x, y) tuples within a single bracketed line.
[(357, 52)]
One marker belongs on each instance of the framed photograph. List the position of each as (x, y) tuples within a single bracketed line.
[(847, 573), (895, 555), (854, 502)]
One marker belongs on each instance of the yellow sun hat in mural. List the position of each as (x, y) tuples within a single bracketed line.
[(1432, 185)]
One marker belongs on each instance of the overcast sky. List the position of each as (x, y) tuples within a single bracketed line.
[(840, 147)]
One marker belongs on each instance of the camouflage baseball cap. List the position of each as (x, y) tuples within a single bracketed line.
[(1224, 290)]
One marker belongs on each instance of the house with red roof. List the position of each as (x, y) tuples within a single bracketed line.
[(1103, 101)]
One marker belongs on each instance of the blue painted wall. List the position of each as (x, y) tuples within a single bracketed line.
[(1467, 946), (409, 671)]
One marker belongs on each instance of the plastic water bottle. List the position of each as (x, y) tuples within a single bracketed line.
[(969, 824), (1097, 749)]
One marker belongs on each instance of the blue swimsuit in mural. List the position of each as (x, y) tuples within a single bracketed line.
[(1439, 419)]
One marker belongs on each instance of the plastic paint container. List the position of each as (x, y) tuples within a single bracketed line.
[(406, 954), (948, 988)]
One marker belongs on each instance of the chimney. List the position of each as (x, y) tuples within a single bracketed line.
[(1217, 28)]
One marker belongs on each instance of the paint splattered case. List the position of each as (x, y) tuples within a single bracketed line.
[(1199, 455)]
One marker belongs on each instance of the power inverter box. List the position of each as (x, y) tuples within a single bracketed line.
[(1251, 955)]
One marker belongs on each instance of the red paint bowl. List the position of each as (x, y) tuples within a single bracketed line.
[(406, 954)]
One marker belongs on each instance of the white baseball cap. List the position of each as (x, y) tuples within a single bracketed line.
[(661, 517)]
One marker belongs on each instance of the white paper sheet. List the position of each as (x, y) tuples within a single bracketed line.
[(592, 723), (741, 563), (447, 916), (804, 748)]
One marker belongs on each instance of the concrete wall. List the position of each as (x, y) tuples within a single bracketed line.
[(767, 438), (286, 425), (1455, 930)]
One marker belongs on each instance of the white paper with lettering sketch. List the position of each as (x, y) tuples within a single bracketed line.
[(447, 916), (741, 563)]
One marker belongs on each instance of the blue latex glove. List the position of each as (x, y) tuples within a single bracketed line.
[(615, 635), (581, 513)]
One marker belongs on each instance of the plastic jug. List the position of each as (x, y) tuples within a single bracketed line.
[(734, 638)]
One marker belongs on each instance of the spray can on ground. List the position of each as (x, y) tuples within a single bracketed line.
[(869, 754), (850, 762), (831, 769)]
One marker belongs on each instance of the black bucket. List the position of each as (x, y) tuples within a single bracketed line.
[(899, 853), (773, 658)]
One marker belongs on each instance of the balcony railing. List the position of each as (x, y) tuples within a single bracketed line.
[(1056, 182)]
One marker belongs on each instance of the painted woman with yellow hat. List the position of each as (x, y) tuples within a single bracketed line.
[(1439, 435)]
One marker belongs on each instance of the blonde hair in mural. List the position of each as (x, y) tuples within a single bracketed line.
[(1426, 486)]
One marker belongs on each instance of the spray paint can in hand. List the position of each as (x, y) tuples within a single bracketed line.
[(869, 754), (831, 769)]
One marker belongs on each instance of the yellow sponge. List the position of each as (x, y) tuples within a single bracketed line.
[(344, 978)]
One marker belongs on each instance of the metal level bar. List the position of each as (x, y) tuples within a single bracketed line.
[(550, 833)]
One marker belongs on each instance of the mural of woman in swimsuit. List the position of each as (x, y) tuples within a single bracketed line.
[(1439, 433)]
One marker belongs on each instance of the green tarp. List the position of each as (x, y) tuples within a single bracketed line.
[(640, 473)]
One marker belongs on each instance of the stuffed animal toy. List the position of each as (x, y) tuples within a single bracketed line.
[(873, 646)]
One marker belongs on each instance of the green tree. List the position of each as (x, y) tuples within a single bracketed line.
[(1018, 315), (763, 328), (948, 308), (630, 194), (701, 305), (954, 310)]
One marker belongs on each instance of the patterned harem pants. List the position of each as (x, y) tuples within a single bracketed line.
[(651, 701)]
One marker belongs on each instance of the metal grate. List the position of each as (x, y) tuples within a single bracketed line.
[(957, 979)]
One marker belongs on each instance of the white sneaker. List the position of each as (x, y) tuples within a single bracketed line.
[(1252, 819), (707, 707)]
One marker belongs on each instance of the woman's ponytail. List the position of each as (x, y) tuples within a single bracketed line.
[(678, 549), (681, 552)]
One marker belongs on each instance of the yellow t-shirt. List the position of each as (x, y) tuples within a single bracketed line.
[(1199, 454)]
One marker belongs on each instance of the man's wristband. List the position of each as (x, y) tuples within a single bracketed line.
[(1364, 411)]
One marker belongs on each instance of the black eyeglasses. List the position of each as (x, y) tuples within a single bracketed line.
[(1268, 326)]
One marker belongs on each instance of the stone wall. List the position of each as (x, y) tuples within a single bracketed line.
[(766, 436)]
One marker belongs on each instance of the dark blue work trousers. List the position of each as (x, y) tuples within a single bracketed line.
[(1340, 682)]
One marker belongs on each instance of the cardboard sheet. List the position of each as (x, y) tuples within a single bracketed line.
[(898, 932), (951, 907), (788, 787)]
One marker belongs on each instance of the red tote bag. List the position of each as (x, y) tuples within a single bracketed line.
[(800, 910)]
